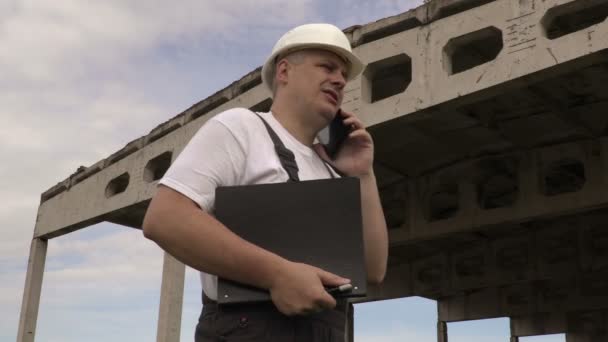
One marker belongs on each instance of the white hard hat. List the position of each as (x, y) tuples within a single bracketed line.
[(312, 36)]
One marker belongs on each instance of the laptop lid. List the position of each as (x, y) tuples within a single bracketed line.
[(314, 222)]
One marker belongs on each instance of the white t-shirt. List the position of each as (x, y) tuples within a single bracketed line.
[(234, 148)]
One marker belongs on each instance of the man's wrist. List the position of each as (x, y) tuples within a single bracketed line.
[(274, 272), (367, 176)]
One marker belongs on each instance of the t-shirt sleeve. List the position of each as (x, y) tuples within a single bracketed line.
[(214, 157)]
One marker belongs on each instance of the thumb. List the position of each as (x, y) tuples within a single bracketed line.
[(330, 279)]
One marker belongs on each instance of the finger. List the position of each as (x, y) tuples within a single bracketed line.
[(351, 117), (286, 310), (360, 134), (348, 114), (306, 312), (330, 279), (327, 302), (354, 122)]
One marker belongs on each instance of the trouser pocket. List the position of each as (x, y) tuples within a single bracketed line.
[(232, 327)]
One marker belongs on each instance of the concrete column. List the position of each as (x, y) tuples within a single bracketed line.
[(31, 293), (171, 300), (442, 331)]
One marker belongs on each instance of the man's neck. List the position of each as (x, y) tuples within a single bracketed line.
[(295, 122)]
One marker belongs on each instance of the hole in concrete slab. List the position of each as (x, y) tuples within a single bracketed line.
[(472, 49), (263, 106), (572, 17), (512, 257), (155, 168), (387, 77), (393, 200), (117, 185), (497, 183), (563, 176), (443, 203)]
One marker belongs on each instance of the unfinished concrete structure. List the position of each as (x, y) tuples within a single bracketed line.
[(490, 125)]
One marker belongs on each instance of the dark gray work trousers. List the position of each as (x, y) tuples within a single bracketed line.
[(263, 322)]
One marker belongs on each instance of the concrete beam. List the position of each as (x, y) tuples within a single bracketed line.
[(525, 51), (531, 203), (171, 300), (31, 294), (527, 56), (538, 324), (547, 299)]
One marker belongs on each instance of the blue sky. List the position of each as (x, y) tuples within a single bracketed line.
[(82, 79)]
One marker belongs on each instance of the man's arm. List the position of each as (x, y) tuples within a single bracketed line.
[(374, 230), (356, 158), (197, 239)]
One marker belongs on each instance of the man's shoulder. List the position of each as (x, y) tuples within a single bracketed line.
[(236, 118)]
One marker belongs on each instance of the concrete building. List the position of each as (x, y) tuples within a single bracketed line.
[(489, 118)]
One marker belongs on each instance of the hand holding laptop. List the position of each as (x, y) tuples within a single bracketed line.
[(300, 289)]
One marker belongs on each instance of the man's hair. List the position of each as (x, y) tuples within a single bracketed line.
[(296, 57)]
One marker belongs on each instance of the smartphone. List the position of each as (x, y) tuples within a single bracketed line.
[(338, 132)]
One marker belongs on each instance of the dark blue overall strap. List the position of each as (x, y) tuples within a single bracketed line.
[(286, 157)]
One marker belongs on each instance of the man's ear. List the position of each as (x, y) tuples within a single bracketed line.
[(282, 71)]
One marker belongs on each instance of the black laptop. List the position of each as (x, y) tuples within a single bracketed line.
[(315, 222)]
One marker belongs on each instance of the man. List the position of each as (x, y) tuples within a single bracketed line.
[(306, 74)]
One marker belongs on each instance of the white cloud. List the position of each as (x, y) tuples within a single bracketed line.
[(41, 39)]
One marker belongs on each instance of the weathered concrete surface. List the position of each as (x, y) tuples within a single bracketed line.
[(31, 293), (171, 300)]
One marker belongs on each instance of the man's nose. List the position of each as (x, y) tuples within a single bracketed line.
[(338, 80)]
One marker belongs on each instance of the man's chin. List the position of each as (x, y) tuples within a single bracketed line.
[(329, 111), (328, 115)]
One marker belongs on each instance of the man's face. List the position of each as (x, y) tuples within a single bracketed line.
[(318, 82)]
